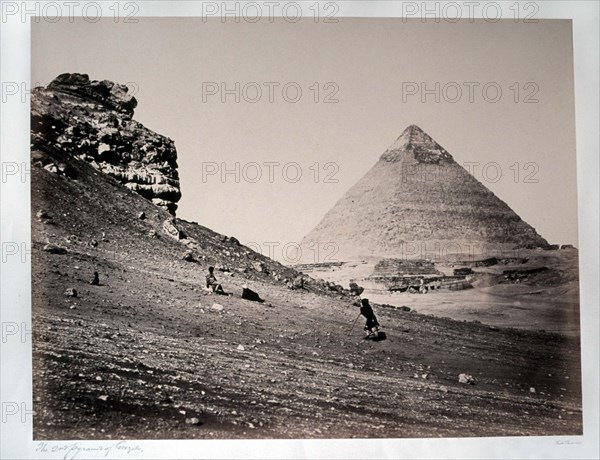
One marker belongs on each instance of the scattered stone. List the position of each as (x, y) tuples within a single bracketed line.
[(260, 267), (171, 230), (466, 378), (192, 421), (63, 168), (217, 307), (355, 289), (532, 390), (53, 249), (297, 283), (241, 348), (188, 256), (71, 292), (142, 215), (153, 234), (103, 397), (96, 280), (52, 168), (43, 215), (94, 243)]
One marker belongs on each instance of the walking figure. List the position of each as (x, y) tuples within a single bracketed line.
[(372, 327)]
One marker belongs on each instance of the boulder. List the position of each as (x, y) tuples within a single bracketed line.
[(171, 229), (355, 289), (466, 379), (249, 294)]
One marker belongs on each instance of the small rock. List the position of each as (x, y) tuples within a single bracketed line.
[(71, 292), (94, 243), (96, 280), (52, 249), (188, 256), (142, 215), (192, 421), (98, 378), (42, 215), (240, 348), (217, 307), (532, 390), (103, 397), (404, 308), (52, 168), (466, 378)]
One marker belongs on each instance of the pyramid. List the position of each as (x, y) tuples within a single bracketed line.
[(417, 202)]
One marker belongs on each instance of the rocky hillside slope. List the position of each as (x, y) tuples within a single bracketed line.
[(143, 351), (417, 201)]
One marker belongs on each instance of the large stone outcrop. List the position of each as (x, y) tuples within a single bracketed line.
[(92, 120)]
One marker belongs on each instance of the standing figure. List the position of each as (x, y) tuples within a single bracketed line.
[(372, 326)]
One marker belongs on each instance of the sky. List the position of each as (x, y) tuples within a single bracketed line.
[(332, 98)]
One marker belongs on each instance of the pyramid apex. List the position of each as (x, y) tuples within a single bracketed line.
[(419, 144)]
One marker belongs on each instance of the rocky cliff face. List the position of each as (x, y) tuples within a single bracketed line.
[(92, 120)]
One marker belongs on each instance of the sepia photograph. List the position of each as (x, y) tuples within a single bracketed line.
[(175, 295), (290, 226)]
